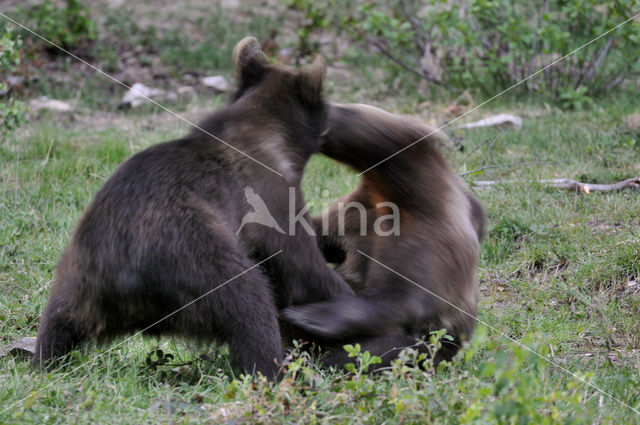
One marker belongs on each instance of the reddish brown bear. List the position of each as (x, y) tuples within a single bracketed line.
[(161, 232), (395, 272)]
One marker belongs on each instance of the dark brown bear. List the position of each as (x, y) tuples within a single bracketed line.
[(436, 243), (161, 232)]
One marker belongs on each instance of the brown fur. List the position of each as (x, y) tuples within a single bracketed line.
[(162, 230), (441, 225)]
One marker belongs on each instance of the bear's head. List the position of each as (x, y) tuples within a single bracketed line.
[(292, 97)]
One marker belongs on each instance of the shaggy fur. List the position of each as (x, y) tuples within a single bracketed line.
[(162, 230), (437, 247)]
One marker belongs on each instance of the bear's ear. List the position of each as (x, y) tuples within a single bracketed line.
[(310, 80), (248, 61)]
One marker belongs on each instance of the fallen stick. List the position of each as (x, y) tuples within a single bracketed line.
[(569, 184), (500, 119), (515, 164)]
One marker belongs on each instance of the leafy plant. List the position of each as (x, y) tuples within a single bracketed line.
[(572, 98), (490, 45), (67, 27), (157, 358), (12, 111), (315, 15), (364, 360)]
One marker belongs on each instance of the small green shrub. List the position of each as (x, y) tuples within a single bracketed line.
[(315, 15), (489, 45), (9, 56), (66, 27), (12, 111)]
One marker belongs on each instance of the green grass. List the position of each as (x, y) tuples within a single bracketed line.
[(554, 271), (553, 274), (212, 34)]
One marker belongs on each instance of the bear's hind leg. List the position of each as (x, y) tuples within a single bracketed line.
[(228, 298), (59, 333), (248, 319)]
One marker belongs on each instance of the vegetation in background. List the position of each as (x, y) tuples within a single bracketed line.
[(558, 274), (486, 46), (69, 27), (314, 16), (12, 111)]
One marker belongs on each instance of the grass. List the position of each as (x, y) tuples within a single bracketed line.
[(554, 274), (554, 271)]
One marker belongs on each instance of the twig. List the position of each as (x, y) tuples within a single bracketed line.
[(598, 62), (514, 164), (569, 184), (493, 142), (490, 148), (415, 25), (620, 79), (401, 348), (632, 183), (420, 74), (534, 45)]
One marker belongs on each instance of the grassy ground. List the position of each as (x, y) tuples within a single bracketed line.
[(557, 275)]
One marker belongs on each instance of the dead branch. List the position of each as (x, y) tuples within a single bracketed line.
[(569, 184), (416, 25), (493, 142), (514, 164), (380, 46), (603, 54)]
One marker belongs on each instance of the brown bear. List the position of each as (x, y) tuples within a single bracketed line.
[(165, 229), (419, 236)]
